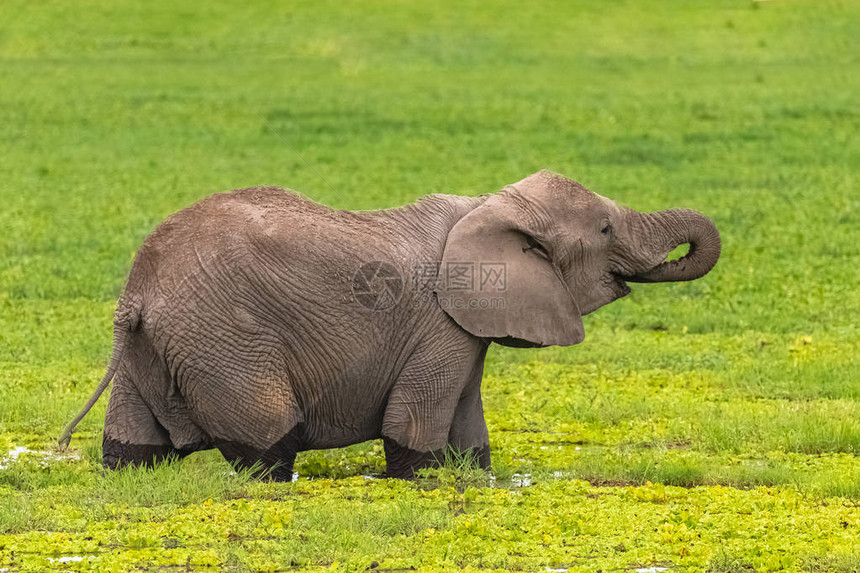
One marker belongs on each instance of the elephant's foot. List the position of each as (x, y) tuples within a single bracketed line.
[(481, 456), (403, 462), (275, 463), (116, 454), (478, 457)]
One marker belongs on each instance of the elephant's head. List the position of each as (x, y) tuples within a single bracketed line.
[(564, 252)]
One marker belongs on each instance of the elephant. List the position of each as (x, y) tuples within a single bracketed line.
[(263, 324)]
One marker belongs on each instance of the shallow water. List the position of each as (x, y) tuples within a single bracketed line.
[(45, 456), (68, 559)]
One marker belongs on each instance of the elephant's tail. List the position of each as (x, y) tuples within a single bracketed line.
[(125, 321)]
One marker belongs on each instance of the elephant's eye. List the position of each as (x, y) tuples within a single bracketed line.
[(607, 228), (536, 248)]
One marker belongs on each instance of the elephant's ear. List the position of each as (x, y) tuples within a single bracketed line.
[(496, 282)]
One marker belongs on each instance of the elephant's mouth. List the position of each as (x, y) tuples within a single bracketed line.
[(619, 286)]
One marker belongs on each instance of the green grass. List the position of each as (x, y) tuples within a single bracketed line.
[(713, 425)]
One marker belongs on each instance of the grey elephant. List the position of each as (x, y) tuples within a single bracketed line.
[(263, 324)]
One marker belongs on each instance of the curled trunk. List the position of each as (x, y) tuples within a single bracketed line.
[(663, 231)]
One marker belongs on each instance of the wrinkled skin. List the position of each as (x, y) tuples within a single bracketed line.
[(244, 326)]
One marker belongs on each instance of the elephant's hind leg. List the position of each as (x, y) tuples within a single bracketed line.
[(133, 436), (275, 463), (145, 421), (251, 414)]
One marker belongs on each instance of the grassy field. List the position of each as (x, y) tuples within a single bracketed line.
[(710, 426)]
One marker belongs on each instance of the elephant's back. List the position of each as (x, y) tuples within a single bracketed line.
[(235, 232), (221, 219)]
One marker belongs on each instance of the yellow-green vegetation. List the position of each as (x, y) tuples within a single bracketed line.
[(709, 426)]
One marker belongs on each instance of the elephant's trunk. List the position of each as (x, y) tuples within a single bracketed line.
[(665, 230)]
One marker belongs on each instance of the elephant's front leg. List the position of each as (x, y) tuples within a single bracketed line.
[(436, 404), (468, 437), (415, 430), (402, 461)]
